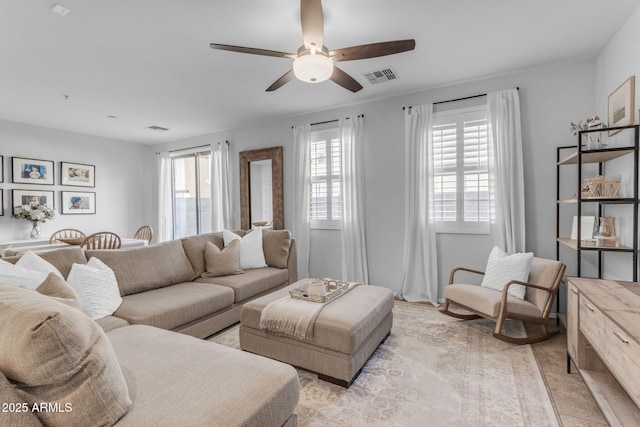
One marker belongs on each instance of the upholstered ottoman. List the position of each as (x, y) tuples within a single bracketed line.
[(347, 331)]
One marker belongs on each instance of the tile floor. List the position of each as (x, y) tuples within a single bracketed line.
[(571, 398)]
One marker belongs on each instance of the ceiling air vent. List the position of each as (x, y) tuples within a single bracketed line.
[(158, 128), (381, 76)]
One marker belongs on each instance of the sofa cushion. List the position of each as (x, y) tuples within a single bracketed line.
[(97, 288), (487, 300), (109, 323), (62, 259), (174, 306), (15, 418), (144, 268), (55, 287), (276, 245), (222, 262), (194, 249), (252, 282), (54, 353), (31, 261), (251, 251), (201, 383)]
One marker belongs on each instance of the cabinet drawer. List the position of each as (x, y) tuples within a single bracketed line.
[(623, 358), (591, 321)]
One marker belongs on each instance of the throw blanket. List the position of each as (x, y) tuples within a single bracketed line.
[(293, 317)]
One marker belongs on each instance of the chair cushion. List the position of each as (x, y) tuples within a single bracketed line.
[(502, 268), (543, 272), (487, 301), (55, 353), (174, 306)]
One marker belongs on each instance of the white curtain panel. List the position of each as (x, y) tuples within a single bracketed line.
[(354, 246), (220, 182), (300, 222), (506, 169), (420, 266), (165, 201)]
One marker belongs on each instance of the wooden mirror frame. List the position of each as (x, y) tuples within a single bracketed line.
[(246, 157)]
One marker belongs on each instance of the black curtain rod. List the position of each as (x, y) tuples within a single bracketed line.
[(330, 121), (457, 99)]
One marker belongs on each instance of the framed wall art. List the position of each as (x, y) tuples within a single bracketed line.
[(621, 105), (1, 168), (32, 171), (77, 174), (31, 198), (78, 203), (1, 202)]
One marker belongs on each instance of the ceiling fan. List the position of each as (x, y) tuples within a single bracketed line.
[(313, 62)]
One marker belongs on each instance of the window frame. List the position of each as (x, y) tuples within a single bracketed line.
[(327, 135), (462, 115)]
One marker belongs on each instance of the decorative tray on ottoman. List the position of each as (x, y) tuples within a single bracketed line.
[(333, 289)]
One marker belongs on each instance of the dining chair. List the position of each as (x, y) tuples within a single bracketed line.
[(144, 233), (102, 240), (66, 233)]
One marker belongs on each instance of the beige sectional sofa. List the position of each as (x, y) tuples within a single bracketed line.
[(175, 379)]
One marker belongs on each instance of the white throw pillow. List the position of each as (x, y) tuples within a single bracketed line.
[(31, 261), (97, 288), (503, 268), (251, 252), (11, 274)]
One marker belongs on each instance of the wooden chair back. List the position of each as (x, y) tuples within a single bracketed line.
[(144, 233), (102, 240), (66, 233)]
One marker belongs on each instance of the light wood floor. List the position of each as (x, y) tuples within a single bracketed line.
[(571, 399)]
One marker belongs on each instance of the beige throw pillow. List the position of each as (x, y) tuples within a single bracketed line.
[(55, 287), (276, 244), (54, 353), (222, 262)]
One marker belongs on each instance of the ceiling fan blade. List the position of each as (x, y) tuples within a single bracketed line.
[(345, 80), (252, 50), (312, 21), (372, 50), (286, 78)]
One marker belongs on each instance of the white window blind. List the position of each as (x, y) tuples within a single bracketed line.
[(461, 171), (325, 172)]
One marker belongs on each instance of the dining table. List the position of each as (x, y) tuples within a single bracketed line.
[(17, 247)]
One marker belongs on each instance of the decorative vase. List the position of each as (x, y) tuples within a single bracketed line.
[(35, 230)]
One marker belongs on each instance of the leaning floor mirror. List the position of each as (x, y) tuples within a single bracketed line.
[(261, 189)]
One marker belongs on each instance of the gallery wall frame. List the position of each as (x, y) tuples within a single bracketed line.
[(26, 197), (77, 203), (1, 202), (77, 174), (32, 171), (621, 105), (1, 169)]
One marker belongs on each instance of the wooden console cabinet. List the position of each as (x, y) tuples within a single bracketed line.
[(603, 340)]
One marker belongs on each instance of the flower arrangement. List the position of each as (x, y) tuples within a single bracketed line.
[(39, 212), (586, 124)]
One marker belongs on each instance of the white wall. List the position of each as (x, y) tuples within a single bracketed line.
[(617, 62), (551, 97), (123, 179)]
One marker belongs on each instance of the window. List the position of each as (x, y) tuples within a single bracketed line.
[(461, 171), (191, 181), (325, 172)]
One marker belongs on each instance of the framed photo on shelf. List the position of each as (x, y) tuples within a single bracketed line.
[(78, 203), (32, 171), (588, 228), (32, 197), (77, 174), (1, 168), (621, 105)]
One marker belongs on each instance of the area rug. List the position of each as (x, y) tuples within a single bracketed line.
[(432, 370)]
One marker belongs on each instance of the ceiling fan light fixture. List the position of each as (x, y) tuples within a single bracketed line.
[(313, 68)]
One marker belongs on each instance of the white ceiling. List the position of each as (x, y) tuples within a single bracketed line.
[(148, 62)]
